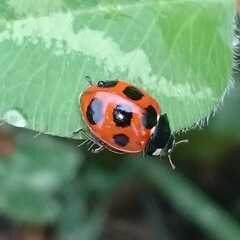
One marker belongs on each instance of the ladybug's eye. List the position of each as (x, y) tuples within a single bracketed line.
[(101, 84)]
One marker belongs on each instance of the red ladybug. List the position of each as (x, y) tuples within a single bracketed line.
[(124, 119)]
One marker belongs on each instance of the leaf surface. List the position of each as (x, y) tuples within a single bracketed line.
[(178, 51)]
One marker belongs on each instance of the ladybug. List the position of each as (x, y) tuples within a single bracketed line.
[(124, 119)]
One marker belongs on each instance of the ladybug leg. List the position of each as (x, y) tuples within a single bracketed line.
[(84, 133), (87, 136), (91, 145), (77, 131), (89, 140), (99, 149), (182, 141), (171, 162), (82, 143), (86, 140)]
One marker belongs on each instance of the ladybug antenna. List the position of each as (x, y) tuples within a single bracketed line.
[(182, 141), (170, 151), (89, 80), (171, 162)]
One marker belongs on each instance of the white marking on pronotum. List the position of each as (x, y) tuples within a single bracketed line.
[(157, 152)]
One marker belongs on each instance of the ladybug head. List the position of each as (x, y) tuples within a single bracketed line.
[(107, 84), (162, 141)]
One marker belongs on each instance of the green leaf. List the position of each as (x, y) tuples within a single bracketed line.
[(226, 121), (32, 176), (179, 51)]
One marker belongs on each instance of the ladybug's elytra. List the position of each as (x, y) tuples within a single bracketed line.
[(124, 119)]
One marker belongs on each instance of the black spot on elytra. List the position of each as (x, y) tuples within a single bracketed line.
[(133, 93), (95, 111), (107, 84), (121, 139), (149, 118), (122, 115)]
